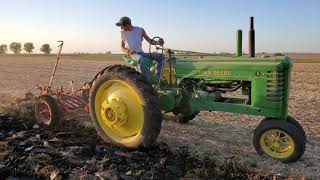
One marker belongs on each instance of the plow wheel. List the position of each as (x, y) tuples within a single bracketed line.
[(124, 107), (47, 112), (279, 139)]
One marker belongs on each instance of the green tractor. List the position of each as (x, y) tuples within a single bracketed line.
[(126, 109)]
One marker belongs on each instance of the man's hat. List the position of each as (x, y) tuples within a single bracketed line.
[(123, 21)]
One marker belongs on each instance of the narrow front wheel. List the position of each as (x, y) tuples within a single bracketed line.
[(280, 140)]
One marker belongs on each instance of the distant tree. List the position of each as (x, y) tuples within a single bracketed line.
[(108, 52), (3, 49), (277, 54), (15, 47), (28, 47), (46, 49)]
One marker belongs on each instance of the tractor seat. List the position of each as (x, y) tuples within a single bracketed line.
[(135, 63)]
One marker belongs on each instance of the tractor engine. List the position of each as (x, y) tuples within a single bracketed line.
[(257, 86)]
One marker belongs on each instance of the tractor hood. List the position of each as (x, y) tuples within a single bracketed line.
[(229, 67)]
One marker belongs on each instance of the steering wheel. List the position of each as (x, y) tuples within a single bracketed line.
[(158, 48)]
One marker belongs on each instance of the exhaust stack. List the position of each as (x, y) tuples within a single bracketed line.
[(251, 39)]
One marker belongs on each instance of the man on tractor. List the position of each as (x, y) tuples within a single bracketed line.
[(131, 44)]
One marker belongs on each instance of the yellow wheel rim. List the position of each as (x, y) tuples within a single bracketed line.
[(119, 111), (277, 143)]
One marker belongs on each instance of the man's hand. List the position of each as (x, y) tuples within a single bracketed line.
[(130, 52), (126, 50), (147, 38)]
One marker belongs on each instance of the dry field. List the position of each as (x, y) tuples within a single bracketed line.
[(222, 136)]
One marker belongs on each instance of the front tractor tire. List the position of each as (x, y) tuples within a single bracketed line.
[(279, 139), (294, 122), (124, 107)]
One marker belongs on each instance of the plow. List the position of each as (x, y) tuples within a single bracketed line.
[(53, 105), (126, 109)]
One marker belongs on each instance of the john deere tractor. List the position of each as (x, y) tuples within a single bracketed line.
[(126, 108)]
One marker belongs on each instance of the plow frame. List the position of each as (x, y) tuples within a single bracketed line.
[(69, 100)]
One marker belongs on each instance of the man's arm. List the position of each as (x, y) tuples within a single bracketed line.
[(126, 50), (147, 38)]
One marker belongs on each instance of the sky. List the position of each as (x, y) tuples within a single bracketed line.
[(194, 25)]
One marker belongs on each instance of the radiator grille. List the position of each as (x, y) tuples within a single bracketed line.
[(275, 86)]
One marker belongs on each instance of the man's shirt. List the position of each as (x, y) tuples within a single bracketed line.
[(133, 39)]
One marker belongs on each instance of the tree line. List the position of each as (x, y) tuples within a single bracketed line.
[(28, 47)]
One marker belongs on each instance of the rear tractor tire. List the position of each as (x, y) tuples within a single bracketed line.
[(279, 139), (48, 112), (124, 107)]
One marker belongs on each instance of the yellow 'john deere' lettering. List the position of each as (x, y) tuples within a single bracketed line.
[(214, 72)]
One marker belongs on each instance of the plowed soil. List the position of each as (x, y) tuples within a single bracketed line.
[(214, 144)]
